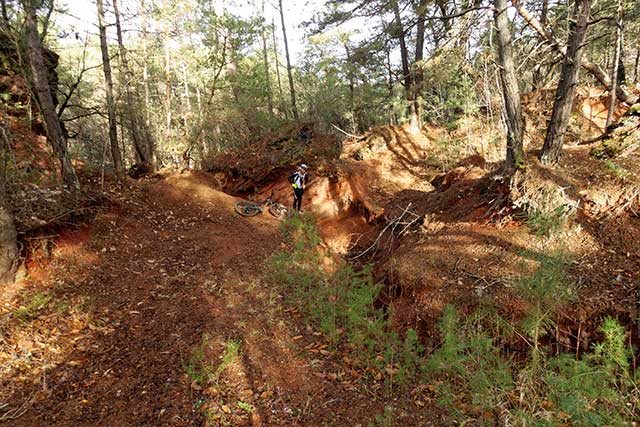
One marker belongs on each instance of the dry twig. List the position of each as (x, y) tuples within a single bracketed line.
[(392, 226), (17, 412), (359, 137)]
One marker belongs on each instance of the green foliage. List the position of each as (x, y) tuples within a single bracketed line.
[(609, 148), (341, 304), (613, 351), (615, 169), (198, 368), (546, 290), (36, 303), (247, 407), (469, 366), (447, 152), (634, 110), (469, 363), (451, 93), (596, 390), (301, 232), (383, 420), (546, 223), (545, 208), (231, 355), (449, 355), (409, 357)]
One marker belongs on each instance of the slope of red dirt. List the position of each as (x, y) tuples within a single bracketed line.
[(461, 256), (147, 297)]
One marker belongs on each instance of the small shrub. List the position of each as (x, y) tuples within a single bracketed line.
[(197, 368), (468, 364), (449, 355), (247, 407), (383, 420), (38, 302), (231, 355), (447, 153), (546, 223), (611, 147), (341, 304), (545, 290), (615, 169), (544, 390), (544, 205), (200, 369), (597, 390)]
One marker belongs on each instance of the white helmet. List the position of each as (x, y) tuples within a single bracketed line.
[(303, 166)]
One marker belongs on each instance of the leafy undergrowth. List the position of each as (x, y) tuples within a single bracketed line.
[(342, 305), (472, 373), (539, 388), (214, 388)]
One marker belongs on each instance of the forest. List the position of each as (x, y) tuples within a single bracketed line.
[(466, 251)]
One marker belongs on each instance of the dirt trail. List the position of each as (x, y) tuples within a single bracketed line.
[(167, 284)]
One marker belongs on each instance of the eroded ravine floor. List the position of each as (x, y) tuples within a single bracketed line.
[(155, 297)]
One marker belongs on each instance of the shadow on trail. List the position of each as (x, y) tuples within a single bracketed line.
[(148, 305), (175, 273), (453, 256)]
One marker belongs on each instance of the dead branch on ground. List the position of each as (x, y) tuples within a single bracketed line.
[(402, 222), (350, 135)]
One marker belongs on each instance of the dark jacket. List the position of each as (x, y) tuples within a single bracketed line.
[(299, 179)]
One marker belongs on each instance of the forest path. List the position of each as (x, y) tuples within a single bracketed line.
[(179, 327)]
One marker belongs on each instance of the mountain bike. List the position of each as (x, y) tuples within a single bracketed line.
[(248, 208)]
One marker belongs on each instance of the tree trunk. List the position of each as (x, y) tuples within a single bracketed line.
[(636, 66), (289, 68), (142, 144), (566, 90), (538, 74), (597, 72), (404, 56), (622, 70), (148, 135), (42, 92), (5, 15), (352, 86), (616, 65), (167, 70), (266, 72), (145, 67), (187, 97), (283, 106), (116, 156), (418, 73), (392, 115), (8, 245), (8, 236), (265, 58), (510, 89)]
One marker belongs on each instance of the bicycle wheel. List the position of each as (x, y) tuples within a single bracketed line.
[(247, 208), (278, 210)]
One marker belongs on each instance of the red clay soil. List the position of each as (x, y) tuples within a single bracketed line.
[(461, 256), (136, 307)]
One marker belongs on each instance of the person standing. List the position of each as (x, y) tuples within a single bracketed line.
[(299, 180)]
